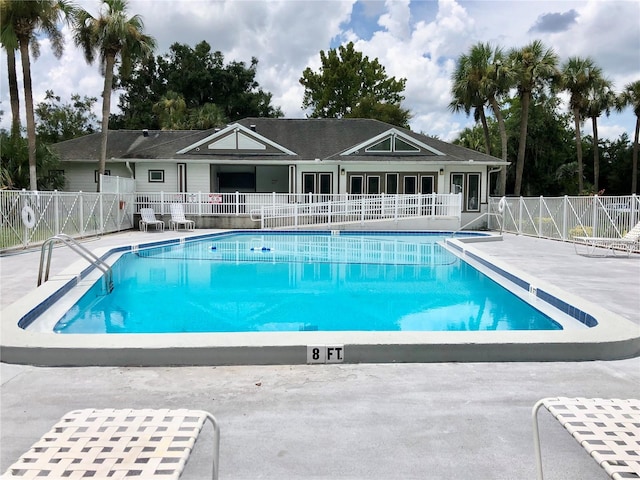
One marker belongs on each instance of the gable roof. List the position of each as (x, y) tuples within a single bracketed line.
[(272, 139)]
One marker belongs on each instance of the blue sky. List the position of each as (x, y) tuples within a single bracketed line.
[(416, 40)]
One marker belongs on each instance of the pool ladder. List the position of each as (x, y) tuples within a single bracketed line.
[(80, 250)]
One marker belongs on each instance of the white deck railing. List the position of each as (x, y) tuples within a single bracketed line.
[(356, 209), (563, 218)]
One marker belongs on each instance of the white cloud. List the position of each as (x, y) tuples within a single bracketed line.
[(416, 40)]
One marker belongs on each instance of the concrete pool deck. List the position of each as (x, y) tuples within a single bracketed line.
[(396, 421)]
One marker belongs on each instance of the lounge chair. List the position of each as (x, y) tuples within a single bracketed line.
[(147, 217), (608, 429), (178, 218), (108, 443), (627, 244)]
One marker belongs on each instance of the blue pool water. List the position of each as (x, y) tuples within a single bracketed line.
[(252, 282)]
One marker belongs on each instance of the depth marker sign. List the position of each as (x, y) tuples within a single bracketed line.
[(325, 353)]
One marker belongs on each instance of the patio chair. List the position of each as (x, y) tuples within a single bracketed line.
[(608, 429), (106, 444), (178, 218), (147, 217), (628, 243)]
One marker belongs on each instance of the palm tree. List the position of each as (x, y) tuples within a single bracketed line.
[(631, 96), (533, 67), (466, 91), (577, 77), (496, 84), (10, 44), (170, 111), (483, 77), (600, 98), (113, 37), (21, 19), (207, 116)]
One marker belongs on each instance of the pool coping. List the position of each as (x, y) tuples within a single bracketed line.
[(614, 337)]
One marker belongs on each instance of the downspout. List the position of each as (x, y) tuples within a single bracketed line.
[(129, 168)]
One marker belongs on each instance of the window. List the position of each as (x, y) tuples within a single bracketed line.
[(410, 185), (469, 185), (373, 184), (319, 183), (473, 192), (325, 183), (392, 183), (156, 176), (383, 146), (392, 144), (427, 184), (55, 174), (309, 183), (402, 146), (96, 175), (355, 184)]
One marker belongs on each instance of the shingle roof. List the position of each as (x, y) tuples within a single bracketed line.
[(308, 138)]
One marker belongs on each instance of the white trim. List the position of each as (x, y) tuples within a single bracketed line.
[(236, 127), (391, 132)]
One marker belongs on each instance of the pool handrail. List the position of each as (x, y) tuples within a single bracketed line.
[(80, 250)]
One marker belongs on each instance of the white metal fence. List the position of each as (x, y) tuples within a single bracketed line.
[(29, 218), (563, 218)]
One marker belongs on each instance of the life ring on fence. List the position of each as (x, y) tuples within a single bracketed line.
[(28, 216), (502, 204)]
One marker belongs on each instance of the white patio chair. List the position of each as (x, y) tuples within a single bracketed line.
[(147, 217), (178, 218), (105, 444), (628, 243), (607, 428)]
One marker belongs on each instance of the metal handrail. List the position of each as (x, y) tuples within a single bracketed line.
[(475, 220), (80, 250)]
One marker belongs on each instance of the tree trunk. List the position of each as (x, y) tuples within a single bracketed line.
[(31, 123), (106, 109), (596, 154), (576, 118), (634, 168), (502, 182), (485, 130), (13, 92), (524, 120)]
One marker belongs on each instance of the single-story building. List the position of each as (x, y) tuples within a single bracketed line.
[(323, 156)]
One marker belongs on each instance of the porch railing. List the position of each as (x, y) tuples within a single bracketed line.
[(563, 218), (357, 209)]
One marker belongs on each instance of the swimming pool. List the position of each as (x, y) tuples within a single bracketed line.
[(260, 282), (590, 332)]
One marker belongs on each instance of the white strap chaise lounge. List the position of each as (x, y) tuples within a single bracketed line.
[(147, 217), (599, 246), (608, 429), (115, 444), (178, 218)]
